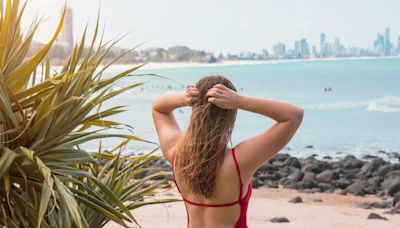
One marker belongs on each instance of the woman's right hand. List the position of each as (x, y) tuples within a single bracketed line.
[(223, 97)]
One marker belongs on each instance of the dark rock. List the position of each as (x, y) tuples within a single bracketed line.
[(369, 205), (256, 182), (326, 187), (267, 167), (327, 176), (394, 188), (309, 147), (367, 168), (342, 192), (294, 162), (309, 176), (279, 157), (393, 211), (383, 170), (394, 155), (271, 184), (297, 175), (396, 200), (308, 183), (296, 199), (351, 162), (376, 216), (327, 157), (279, 219), (356, 188), (293, 185), (377, 162), (312, 190), (368, 157), (381, 152), (342, 183), (311, 168)]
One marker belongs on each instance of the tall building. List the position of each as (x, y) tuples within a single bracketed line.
[(398, 45), (387, 44), (379, 45), (323, 45), (301, 48), (66, 38), (280, 50)]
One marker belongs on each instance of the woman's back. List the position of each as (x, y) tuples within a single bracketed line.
[(209, 174), (225, 208)]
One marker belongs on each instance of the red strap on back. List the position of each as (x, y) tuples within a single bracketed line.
[(238, 170)]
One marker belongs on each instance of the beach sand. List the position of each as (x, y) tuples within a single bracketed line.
[(334, 211)]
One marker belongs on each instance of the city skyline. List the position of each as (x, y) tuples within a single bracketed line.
[(247, 27)]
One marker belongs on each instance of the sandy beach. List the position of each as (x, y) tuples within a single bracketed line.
[(334, 211)]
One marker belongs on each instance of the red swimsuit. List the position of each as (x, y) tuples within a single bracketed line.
[(243, 202)]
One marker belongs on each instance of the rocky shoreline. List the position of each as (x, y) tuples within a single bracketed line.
[(350, 175)]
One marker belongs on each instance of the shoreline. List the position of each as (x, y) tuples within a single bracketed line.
[(171, 65)]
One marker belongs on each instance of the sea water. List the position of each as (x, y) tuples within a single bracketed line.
[(351, 106)]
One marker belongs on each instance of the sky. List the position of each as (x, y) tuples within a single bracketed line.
[(226, 25)]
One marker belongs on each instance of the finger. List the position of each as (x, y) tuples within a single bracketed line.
[(220, 86), (213, 93), (192, 89), (218, 90), (212, 100), (193, 93)]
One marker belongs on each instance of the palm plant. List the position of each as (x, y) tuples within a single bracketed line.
[(46, 178)]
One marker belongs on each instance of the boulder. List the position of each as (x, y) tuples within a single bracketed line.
[(297, 175), (396, 200), (311, 167), (325, 187), (279, 219), (394, 188), (271, 184), (356, 188), (309, 183), (256, 182), (296, 199), (375, 216), (383, 170), (327, 176)]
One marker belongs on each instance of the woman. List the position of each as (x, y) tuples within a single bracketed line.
[(213, 179)]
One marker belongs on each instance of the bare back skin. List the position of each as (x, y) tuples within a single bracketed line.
[(251, 153), (214, 216)]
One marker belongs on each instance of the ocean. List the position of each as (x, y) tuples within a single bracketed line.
[(351, 106)]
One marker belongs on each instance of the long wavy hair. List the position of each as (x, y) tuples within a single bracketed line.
[(201, 150)]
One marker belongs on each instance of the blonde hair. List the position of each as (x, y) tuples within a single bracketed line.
[(201, 150)]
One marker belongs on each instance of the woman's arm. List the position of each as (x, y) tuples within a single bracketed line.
[(254, 152), (166, 126)]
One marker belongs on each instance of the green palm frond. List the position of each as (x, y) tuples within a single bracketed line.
[(46, 178)]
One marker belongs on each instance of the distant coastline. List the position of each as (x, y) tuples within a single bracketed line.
[(164, 65)]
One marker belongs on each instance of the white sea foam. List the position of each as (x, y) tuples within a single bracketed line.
[(380, 104)]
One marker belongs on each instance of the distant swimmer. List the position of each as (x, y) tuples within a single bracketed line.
[(328, 89)]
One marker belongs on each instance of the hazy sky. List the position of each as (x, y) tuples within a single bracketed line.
[(228, 25)]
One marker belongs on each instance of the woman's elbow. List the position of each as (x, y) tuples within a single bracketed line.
[(298, 114)]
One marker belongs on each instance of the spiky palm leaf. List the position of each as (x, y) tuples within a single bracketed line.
[(46, 179)]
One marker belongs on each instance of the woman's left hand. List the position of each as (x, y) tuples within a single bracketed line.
[(191, 95)]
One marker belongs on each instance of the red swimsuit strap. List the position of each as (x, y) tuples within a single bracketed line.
[(212, 205)]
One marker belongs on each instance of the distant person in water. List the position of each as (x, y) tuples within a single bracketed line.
[(213, 179)]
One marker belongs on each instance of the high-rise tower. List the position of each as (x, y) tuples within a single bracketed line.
[(66, 36)]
